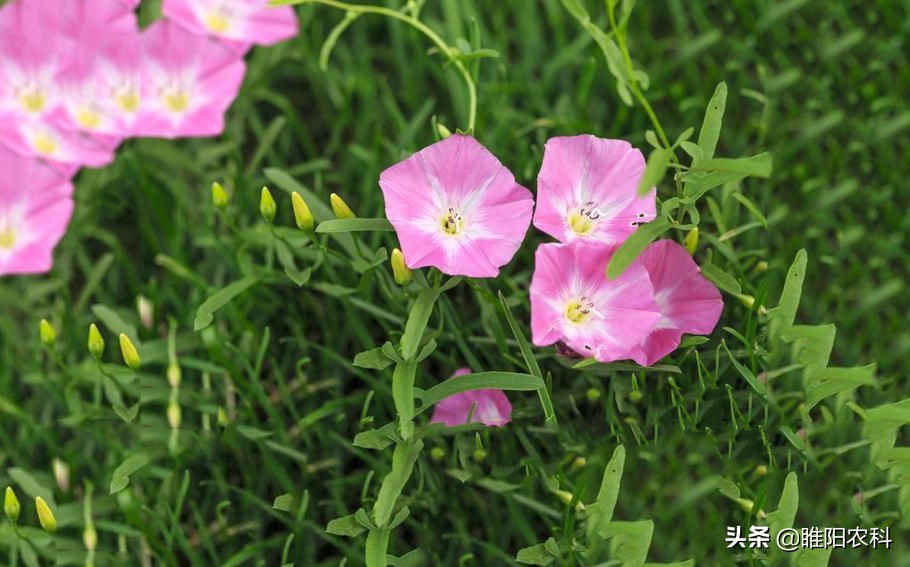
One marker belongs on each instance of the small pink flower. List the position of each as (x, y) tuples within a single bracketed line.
[(35, 208), (45, 139), (489, 407), (573, 301), (188, 82), (688, 302), (239, 23), (457, 208), (587, 189)]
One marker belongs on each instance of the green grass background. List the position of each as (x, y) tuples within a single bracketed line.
[(821, 85)]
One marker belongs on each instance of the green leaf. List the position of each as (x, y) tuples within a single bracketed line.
[(514, 381), (827, 382), (535, 555), (721, 279), (762, 389), (356, 224), (283, 502), (527, 353), (121, 477), (403, 460), (377, 439), (345, 526), (115, 323), (785, 514), (205, 313), (577, 10), (417, 322), (782, 316), (654, 170), (634, 245), (30, 485), (629, 541), (759, 165), (711, 125), (600, 513), (817, 557), (374, 359), (413, 558)]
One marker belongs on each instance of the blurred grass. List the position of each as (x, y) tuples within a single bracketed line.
[(820, 85)]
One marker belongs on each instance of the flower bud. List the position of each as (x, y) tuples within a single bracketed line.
[(174, 375), (62, 475), (11, 506), (267, 206), (400, 270), (437, 453), (635, 396), (95, 342), (223, 418), (761, 470), (173, 414), (90, 537), (129, 352), (593, 394), (579, 462), (340, 208), (566, 498), (219, 196), (45, 515), (146, 311), (47, 333), (480, 455), (691, 240), (302, 215), (443, 131)]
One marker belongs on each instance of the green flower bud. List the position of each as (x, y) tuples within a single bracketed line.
[(691, 241), (302, 215), (45, 515), (400, 270), (340, 208), (146, 311), (174, 375), (47, 333), (90, 537), (267, 206), (173, 414), (11, 506), (437, 453), (443, 131), (95, 342), (220, 197), (593, 394), (130, 354)]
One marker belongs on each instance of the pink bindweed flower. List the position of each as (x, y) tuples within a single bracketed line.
[(587, 189), (489, 407), (188, 82), (35, 208), (573, 301), (688, 302), (457, 208), (239, 23)]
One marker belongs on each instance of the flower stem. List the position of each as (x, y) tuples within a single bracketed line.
[(447, 50)]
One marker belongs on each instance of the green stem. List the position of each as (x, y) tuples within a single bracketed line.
[(403, 396), (377, 547), (417, 25)]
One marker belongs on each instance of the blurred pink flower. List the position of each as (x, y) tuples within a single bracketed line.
[(188, 82), (35, 208), (457, 208), (489, 407), (689, 303), (239, 23), (573, 301), (587, 189)]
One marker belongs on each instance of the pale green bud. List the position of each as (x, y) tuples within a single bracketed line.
[(302, 215), (11, 506), (267, 206), (95, 342), (129, 352), (45, 515), (220, 197), (400, 270), (340, 208), (47, 333)]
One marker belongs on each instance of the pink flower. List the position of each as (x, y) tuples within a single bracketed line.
[(489, 407), (587, 189), (35, 208), (188, 82), (688, 302), (239, 23), (573, 301), (457, 208)]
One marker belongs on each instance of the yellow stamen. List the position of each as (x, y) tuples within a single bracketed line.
[(580, 224), (177, 101), (33, 101), (88, 119), (128, 101), (44, 144), (216, 22), (7, 239), (578, 310), (452, 223)]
